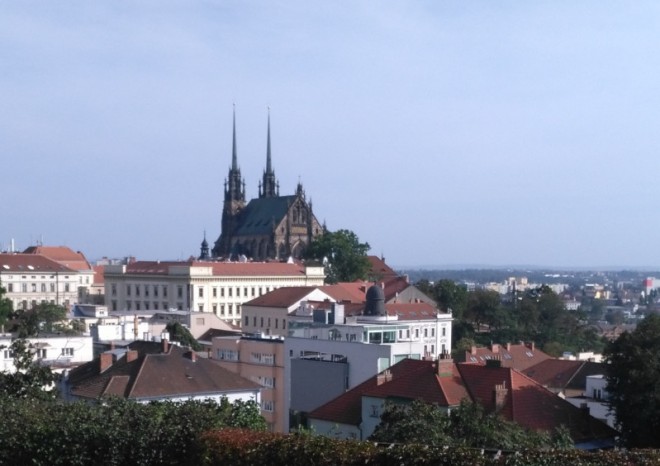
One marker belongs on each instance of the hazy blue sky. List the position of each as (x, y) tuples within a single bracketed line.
[(441, 132)]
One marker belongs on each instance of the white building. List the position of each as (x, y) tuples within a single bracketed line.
[(56, 351), (218, 287), (31, 279)]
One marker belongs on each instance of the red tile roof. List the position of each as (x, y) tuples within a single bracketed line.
[(560, 374), (352, 292), (31, 263), (282, 297), (518, 356), (526, 402), (154, 374), (410, 378), (412, 311), (62, 254), (379, 269), (99, 275)]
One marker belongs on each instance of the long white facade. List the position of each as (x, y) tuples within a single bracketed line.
[(217, 287)]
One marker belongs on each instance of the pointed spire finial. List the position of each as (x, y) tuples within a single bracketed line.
[(234, 157), (269, 167)]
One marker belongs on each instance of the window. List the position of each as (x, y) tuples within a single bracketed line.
[(267, 405), (444, 331), (179, 291), (137, 290), (215, 292), (146, 290), (34, 287), (66, 287), (222, 292), (262, 321), (67, 351), (416, 333), (263, 358), (227, 354), (230, 309), (245, 291), (230, 292), (201, 308), (222, 309), (252, 292), (215, 308), (432, 331), (114, 305), (146, 305), (375, 411), (254, 321), (40, 353), (164, 291), (201, 292), (155, 291), (10, 287), (128, 290), (9, 354), (426, 332), (246, 321), (113, 289), (24, 287)]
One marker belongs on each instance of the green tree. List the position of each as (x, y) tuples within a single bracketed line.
[(30, 379), (182, 335), (450, 296), (6, 309), (467, 425), (44, 317), (633, 383), (483, 307), (342, 253)]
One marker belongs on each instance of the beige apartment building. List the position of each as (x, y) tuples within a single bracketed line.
[(202, 286), (260, 360)]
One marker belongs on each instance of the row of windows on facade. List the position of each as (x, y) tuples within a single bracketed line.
[(262, 321), (51, 277), (33, 287), (267, 359), (156, 306), (389, 336), (42, 353), (224, 291), (25, 304)]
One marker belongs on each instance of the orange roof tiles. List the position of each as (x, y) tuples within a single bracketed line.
[(525, 402), (62, 255), (282, 297), (518, 356), (31, 263)]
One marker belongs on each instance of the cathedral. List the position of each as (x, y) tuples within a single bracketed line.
[(270, 227)]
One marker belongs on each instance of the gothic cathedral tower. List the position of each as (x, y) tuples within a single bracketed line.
[(234, 200)]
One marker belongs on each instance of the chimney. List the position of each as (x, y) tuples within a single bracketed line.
[(131, 355), (530, 345), (445, 365), (473, 350), (499, 396), (495, 361), (495, 348), (383, 377), (508, 346), (112, 345), (166, 345), (105, 361)]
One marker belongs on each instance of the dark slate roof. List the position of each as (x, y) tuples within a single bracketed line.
[(258, 216), (156, 375)]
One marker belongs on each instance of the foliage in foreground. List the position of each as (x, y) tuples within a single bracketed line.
[(633, 383), (115, 432), (468, 425), (239, 447)]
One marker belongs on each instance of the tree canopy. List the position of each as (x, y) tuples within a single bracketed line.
[(633, 383), (342, 253), (182, 335), (468, 425)]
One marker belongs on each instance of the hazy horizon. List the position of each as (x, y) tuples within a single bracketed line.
[(440, 132)]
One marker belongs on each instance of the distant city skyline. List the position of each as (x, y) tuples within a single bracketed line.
[(450, 133)]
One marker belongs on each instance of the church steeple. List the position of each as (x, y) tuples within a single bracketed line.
[(269, 186), (235, 185)]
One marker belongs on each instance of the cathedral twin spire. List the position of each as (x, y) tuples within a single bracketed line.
[(235, 185)]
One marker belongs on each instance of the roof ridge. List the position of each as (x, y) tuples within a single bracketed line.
[(141, 360)]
